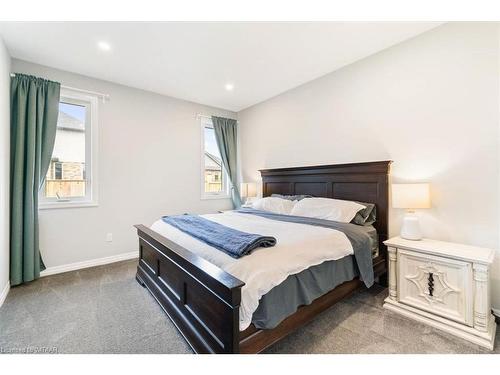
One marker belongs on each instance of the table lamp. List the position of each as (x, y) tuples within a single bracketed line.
[(410, 197), (248, 190)]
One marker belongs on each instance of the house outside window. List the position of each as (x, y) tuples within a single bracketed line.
[(71, 176), (213, 175)]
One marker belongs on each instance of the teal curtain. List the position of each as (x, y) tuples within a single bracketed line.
[(226, 134), (34, 106)]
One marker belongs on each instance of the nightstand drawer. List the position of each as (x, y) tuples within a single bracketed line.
[(439, 285)]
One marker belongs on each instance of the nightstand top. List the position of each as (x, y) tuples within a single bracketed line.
[(448, 249)]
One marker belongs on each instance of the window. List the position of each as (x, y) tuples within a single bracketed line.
[(58, 171), (214, 181), (70, 179)]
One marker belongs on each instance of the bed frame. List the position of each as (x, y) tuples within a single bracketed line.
[(203, 301)]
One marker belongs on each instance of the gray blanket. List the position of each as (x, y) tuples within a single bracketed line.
[(302, 289), (360, 240)]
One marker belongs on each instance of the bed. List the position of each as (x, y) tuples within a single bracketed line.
[(202, 294)]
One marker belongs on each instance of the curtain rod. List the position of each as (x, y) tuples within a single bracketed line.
[(206, 116), (103, 96)]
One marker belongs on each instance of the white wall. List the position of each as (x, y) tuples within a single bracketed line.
[(430, 104), (149, 166), (4, 165)]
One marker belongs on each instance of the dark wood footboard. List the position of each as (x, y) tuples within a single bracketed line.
[(201, 299)]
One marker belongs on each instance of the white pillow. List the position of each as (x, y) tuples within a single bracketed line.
[(326, 208), (274, 204)]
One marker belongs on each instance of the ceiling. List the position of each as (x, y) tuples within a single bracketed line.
[(194, 61)]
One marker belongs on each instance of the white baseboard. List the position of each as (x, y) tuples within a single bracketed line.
[(4, 292), (89, 263)]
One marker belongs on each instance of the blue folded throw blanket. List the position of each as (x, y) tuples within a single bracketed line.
[(231, 241)]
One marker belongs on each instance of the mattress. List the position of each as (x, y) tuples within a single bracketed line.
[(299, 247)]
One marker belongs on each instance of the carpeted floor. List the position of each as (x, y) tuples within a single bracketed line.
[(104, 310)]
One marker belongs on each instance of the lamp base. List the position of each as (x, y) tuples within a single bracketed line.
[(248, 202), (410, 230)]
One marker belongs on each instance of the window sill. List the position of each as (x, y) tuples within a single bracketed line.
[(208, 197), (58, 205)]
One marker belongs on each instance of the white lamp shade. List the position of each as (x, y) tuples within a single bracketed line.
[(411, 196), (248, 189)]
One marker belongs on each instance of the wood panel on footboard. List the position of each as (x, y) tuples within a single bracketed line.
[(203, 301)]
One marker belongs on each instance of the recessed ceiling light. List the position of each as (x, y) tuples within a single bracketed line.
[(103, 46), (229, 86)]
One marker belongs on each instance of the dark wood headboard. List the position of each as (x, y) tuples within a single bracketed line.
[(364, 182)]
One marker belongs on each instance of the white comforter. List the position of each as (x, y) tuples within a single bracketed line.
[(298, 247)]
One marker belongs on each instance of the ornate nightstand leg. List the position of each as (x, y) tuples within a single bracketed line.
[(393, 291), (481, 298)]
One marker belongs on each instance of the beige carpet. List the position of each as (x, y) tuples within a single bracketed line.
[(104, 310)]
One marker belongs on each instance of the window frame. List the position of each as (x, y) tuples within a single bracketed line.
[(206, 122), (91, 145)]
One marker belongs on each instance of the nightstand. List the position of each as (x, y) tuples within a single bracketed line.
[(443, 284)]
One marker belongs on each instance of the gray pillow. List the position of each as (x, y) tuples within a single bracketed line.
[(291, 197), (366, 216)]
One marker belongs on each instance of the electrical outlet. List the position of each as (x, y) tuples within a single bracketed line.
[(109, 237)]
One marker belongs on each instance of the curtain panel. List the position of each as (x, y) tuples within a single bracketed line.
[(34, 110), (226, 134)]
